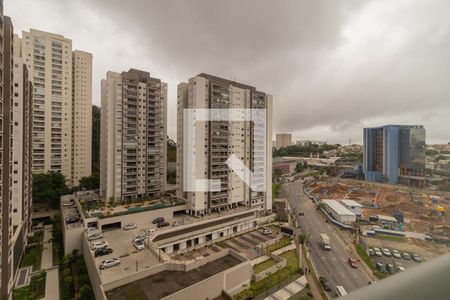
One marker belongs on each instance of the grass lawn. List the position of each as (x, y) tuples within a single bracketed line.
[(32, 257), (36, 289), (264, 265), (38, 237), (292, 260), (362, 253), (275, 229), (273, 279), (279, 244), (393, 238)]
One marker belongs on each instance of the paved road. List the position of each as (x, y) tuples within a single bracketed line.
[(332, 264)]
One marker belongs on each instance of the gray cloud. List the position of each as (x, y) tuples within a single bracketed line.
[(332, 66)]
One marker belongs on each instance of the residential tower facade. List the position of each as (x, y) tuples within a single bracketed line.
[(133, 134), (283, 140), (6, 155), (62, 99), (215, 141)]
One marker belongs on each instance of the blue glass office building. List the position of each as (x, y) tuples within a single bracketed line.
[(395, 154)]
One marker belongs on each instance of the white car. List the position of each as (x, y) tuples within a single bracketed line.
[(400, 268), (386, 252), (130, 226), (109, 263), (95, 236), (139, 238), (396, 254), (98, 245), (139, 245), (178, 223), (377, 252), (267, 231)]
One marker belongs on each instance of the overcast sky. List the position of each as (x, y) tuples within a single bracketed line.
[(332, 67)]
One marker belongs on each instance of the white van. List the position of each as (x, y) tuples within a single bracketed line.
[(340, 291)]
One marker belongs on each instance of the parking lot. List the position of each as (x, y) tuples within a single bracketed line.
[(406, 263), (247, 243), (131, 260)]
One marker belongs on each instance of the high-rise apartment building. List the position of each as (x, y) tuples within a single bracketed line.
[(6, 155), (216, 141), (395, 154), (62, 98), (81, 115), (22, 141), (283, 140), (133, 136)]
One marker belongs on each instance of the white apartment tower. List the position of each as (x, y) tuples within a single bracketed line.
[(133, 136), (62, 99), (215, 141)]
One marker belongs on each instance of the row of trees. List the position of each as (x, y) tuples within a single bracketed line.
[(303, 150), (49, 187)]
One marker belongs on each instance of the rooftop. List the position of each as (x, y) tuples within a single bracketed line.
[(338, 208), (166, 283), (350, 202), (386, 218)]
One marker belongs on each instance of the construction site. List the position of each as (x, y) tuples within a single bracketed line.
[(420, 211)]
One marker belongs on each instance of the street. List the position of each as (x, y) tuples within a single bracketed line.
[(331, 264)]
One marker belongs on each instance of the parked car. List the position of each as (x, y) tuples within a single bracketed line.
[(70, 204), (103, 251), (72, 219), (406, 255), (372, 282), (416, 257), (178, 223), (390, 268), (386, 252), (109, 263), (267, 231), (158, 220), (95, 236), (326, 285), (400, 268), (381, 267), (352, 262), (377, 252), (139, 238), (371, 252), (139, 245), (130, 226), (163, 224), (98, 245), (396, 254)]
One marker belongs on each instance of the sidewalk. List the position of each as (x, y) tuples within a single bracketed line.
[(47, 253), (52, 285), (52, 277), (290, 290)]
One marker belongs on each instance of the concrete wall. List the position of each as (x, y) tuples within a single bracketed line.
[(212, 287), (142, 217), (93, 272), (134, 277)]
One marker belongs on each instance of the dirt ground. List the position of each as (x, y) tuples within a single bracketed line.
[(423, 212)]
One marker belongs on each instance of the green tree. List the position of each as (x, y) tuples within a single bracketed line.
[(68, 285), (95, 139), (49, 188), (90, 182), (85, 292)]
